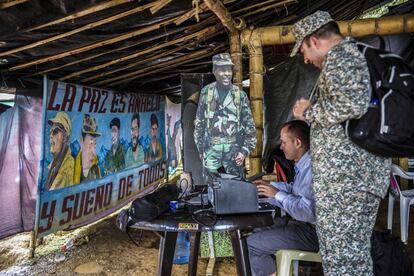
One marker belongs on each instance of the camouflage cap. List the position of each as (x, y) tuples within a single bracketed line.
[(222, 59), (89, 126), (63, 119), (307, 26)]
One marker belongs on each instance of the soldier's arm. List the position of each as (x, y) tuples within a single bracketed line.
[(200, 120), (248, 129), (348, 94)]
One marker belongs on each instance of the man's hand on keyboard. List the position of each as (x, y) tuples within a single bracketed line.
[(264, 188)]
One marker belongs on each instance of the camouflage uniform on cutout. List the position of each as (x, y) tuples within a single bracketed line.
[(348, 181), (224, 125)]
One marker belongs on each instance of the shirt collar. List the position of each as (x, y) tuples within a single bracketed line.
[(303, 161)]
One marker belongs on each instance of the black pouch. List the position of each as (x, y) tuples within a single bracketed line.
[(151, 206)]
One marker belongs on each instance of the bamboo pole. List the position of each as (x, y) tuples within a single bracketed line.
[(173, 63), (94, 45), (277, 35), (9, 4), (255, 39), (256, 101), (77, 30), (143, 52), (94, 9)]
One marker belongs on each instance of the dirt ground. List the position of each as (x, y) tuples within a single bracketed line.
[(99, 249)]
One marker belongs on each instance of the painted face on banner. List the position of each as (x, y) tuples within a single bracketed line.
[(134, 134), (223, 74), (115, 135), (88, 151), (154, 130), (56, 140)]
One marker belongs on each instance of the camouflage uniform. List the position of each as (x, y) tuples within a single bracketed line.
[(348, 181), (115, 162), (222, 130)]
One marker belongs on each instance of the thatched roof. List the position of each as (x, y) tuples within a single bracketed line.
[(137, 46)]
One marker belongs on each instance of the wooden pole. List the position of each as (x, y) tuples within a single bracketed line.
[(254, 39)]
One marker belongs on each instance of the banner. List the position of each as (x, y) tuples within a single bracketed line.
[(101, 149)]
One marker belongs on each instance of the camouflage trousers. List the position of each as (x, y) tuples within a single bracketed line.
[(345, 221), (221, 155)]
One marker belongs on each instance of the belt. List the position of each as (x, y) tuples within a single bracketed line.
[(222, 140)]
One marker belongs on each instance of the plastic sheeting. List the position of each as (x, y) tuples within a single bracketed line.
[(20, 139)]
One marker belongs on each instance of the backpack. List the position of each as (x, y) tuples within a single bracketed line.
[(389, 255), (148, 207), (387, 128)]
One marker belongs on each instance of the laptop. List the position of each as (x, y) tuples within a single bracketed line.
[(233, 196)]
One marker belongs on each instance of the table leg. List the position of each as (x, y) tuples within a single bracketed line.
[(194, 249), (240, 253), (166, 253)]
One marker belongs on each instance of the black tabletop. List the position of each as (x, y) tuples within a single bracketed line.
[(199, 221)]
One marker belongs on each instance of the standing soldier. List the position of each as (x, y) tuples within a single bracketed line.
[(348, 181), (224, 129)]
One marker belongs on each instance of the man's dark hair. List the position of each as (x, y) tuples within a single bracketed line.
[(300, 130), (154, 120), (135, 116), (325, 31)]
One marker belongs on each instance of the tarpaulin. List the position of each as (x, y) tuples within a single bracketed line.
[(20, 139)]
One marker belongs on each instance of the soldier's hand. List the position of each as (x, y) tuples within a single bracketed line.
[(299, 108), (267, 190), (239, 159)]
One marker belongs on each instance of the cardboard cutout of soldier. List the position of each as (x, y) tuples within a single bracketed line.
[(224, 132), (61, 168)]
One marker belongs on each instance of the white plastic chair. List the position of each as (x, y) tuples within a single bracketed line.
[(287, 259), (406, 198)]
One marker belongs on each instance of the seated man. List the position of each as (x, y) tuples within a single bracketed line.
[(296, 199)]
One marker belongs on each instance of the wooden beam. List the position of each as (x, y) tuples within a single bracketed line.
[(73, 16), (281, 6), (222, 13), (151, 58), (132, 65), (159, 5), (201, 33), (78, 30), (163, 66), (94, 45), (104, 53), (9, 4)]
